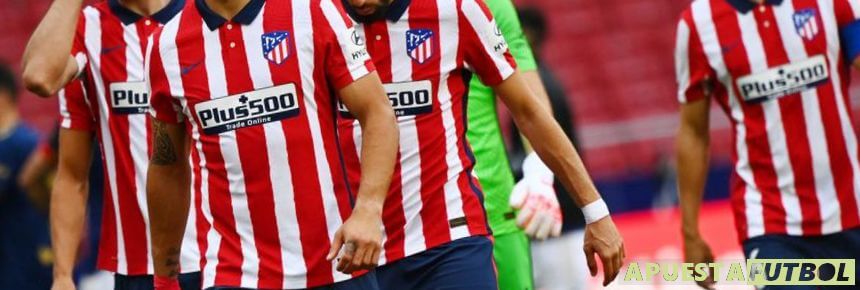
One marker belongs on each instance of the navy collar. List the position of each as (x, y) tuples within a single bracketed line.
[(245, 16), (744, 6), (394, 13), (162, 16)]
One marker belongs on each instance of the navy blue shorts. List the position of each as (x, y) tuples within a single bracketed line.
[(363, 282), (188, 281), (843, 245), (464, 264)]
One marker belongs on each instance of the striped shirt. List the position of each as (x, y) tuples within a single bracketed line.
[(779, 73), (111, 100), (425, 52), (256, 94)]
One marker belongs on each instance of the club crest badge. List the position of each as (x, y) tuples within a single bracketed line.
[(419, 44), (806, 23), (276, 46)]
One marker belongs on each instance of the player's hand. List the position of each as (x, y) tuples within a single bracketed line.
[(603, 239), (534, 196), (696, 250), (539, 212), (63, 284), (358, 243)]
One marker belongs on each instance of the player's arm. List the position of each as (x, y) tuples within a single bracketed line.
[(366, 100), (168, 194), (69, 202), (47, 64), (695, 86), (32, 178)]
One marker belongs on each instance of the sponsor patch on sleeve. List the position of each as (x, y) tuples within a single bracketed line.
[(784, 80), (247, 109)]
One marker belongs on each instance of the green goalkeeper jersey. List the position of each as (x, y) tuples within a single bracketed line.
[(484, 133)]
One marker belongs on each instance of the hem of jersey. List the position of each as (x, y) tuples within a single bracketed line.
[(823, 233)]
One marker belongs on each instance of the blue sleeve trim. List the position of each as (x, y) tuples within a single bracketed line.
[(851, 40)]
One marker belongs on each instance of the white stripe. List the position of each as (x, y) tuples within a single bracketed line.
[(449, 42), (824, 187), (711, 45), (64, 109), (483, 28), (848, 134), (232, 163), (137, 134), (855, 8), (779, 155), (301, 19), (93, 39), (682, 60), (342, 33)]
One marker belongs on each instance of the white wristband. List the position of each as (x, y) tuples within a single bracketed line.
[(595, 211)]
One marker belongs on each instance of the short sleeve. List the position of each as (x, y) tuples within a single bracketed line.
[(847, 15), (346, 56), (691, 64), (79, 52), (75, 111), (162, 104), (509, 23), (485, 48)]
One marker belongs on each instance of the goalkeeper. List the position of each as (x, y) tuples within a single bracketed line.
[(538, 214)]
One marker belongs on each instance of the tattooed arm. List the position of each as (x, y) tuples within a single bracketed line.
[(168, 195)]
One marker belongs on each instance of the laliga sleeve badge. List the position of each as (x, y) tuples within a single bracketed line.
[(276, 46), (420, 44)]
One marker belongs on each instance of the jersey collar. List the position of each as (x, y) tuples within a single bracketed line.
[(245, 16), (744, 6), (394, 13), (126, 16)]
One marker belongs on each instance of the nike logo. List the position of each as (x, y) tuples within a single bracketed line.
[(731, 46), (187, 69), (112, 48)]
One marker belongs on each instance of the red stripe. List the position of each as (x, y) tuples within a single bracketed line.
[(794, 127), (195, 82), (251, 143), (133, 226), (756, 138), (431, 137)]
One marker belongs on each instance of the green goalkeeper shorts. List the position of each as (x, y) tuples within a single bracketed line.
[(513, 261)]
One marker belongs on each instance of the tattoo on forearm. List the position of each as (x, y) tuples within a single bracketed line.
[(163, 153), (172, 262)]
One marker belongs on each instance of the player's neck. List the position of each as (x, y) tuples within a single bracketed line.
[(227, 8), (757, 1), (144, 7)]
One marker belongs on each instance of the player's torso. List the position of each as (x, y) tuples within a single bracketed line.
[(261, 117), (118, 100), (782, 82), (434, 198)]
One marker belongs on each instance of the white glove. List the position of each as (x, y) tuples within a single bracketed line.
[(534, 196)]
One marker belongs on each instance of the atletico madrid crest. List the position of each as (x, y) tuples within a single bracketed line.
[(806, 23), (276, 46), (419, 44)]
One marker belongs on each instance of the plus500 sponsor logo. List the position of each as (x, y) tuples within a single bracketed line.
[(248, 109), (784, 80), (129, 98), (407, 99)]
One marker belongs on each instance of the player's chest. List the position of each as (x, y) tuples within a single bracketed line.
[(774, 51)]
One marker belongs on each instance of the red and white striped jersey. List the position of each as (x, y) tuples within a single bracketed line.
[(257, 96), (425, 52), (111, 100), (778, 72)]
